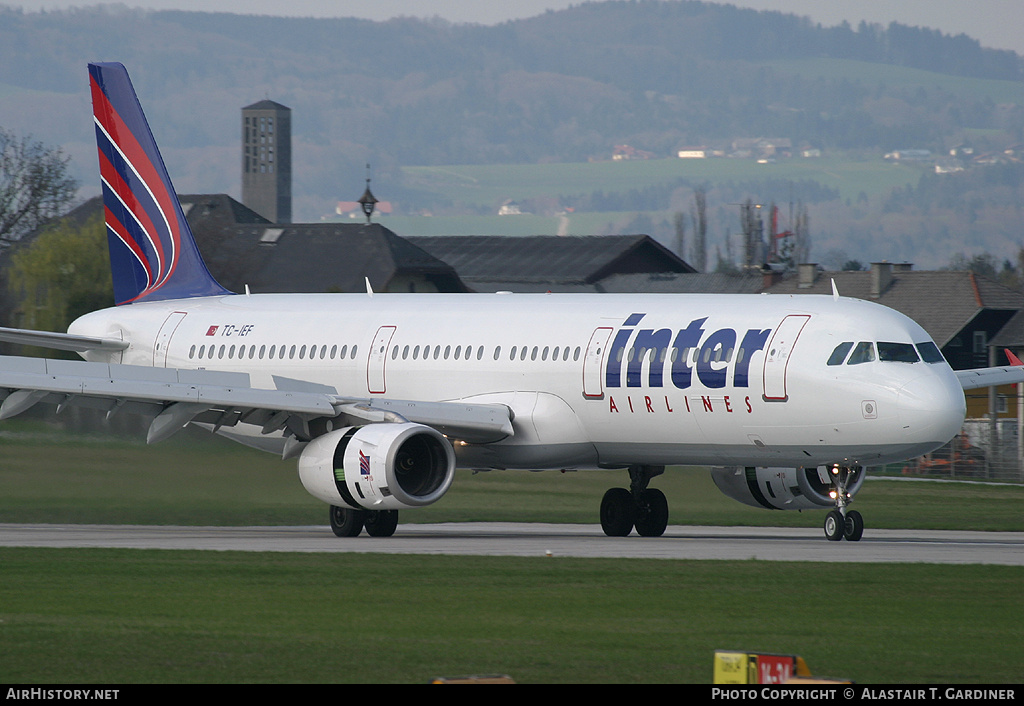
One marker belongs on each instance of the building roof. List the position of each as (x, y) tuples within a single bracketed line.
[(683, 282), (241, 247), (266, 104), (548, 262), (1012, 334), (943, 302)]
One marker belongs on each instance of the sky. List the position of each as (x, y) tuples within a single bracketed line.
[(995, 23)]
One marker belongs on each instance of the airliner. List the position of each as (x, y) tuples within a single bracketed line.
[(380, 397)]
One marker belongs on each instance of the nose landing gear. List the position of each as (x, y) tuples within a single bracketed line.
[(843, 523)]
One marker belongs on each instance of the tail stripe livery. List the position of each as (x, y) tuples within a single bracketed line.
[(153, 255)]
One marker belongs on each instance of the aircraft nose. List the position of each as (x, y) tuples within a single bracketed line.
[(932, 407)]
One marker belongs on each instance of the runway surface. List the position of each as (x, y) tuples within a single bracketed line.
[(556, 540)]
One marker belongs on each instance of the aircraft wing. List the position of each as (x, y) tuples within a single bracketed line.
[(175, 397), (987, 377), (60, 341)]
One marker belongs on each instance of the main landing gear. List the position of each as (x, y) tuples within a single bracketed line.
[(346, 522), (641, 507), (843, 523)]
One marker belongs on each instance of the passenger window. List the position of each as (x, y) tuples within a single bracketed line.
[(497, 352), (576, 354), (930, 353), (839, 354), (863, 353), (354, 348), (897, 352)]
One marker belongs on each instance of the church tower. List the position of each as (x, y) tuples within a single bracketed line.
[(267, 160)]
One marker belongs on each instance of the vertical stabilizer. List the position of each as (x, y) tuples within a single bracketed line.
[(152, 253)]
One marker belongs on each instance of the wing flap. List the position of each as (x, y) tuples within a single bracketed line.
[(29, 380), (178, 396), (476, 423)]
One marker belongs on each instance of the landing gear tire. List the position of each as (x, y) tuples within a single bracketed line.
[(834, 526), (853, 526), (618, 512), (346, 522), (381, 523), (652, 513)]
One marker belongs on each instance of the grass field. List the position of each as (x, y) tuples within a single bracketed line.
[(194, 478), (130, 616), (107, 616)]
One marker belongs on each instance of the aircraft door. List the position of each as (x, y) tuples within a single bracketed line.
[(593, 362), (163, 338), (776, 359), (375, 382)]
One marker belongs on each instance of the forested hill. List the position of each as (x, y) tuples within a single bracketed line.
[(562, 86)]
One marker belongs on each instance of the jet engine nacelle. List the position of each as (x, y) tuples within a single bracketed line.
[(781, 488), (378, 466)]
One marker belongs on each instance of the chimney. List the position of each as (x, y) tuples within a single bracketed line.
[(881, 278), (807, 273), (903, 267)]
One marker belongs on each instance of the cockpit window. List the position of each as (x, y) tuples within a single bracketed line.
[(839, 354), (930, 352), (897, 352), (863, 353)]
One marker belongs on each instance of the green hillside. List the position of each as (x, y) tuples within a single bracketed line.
[(534, 110)]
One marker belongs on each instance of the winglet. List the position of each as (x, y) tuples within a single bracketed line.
[(835, 291), (1014, 360)]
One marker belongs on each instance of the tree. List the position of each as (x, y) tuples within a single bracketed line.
[(753, 234), (63, 274), (700, 229), (34, 185), (679, 223)]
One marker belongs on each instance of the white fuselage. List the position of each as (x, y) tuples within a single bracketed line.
[(593, 380)]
